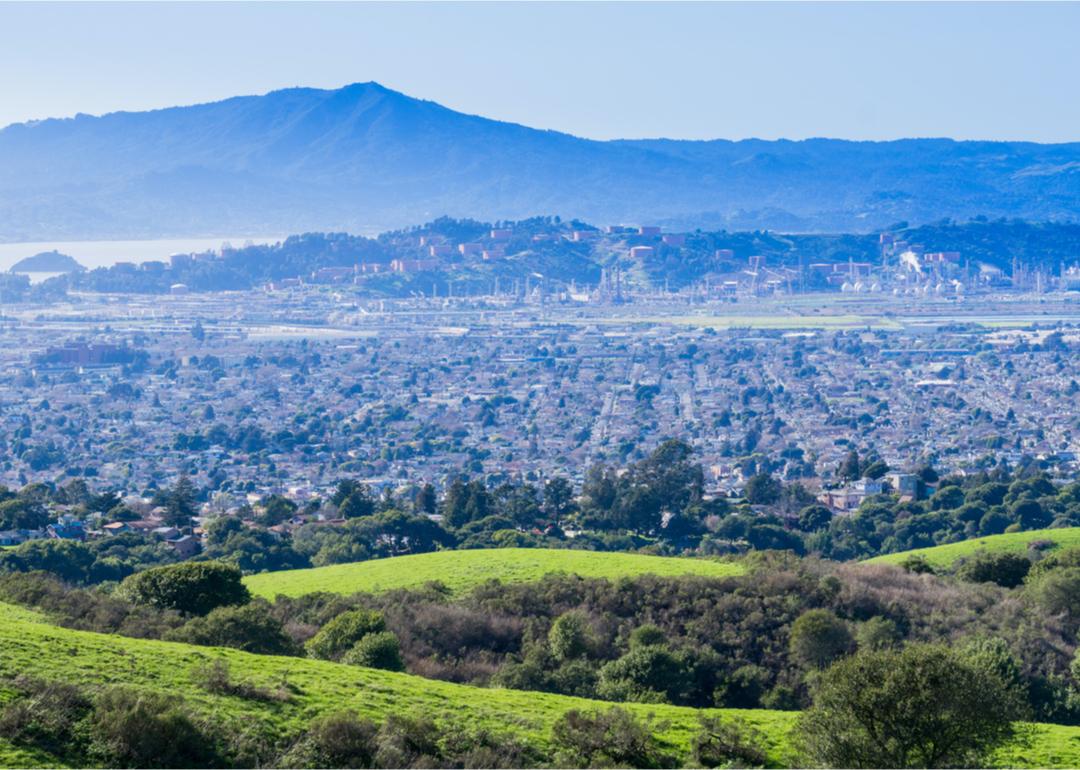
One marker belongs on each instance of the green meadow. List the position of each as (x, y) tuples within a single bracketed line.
[(462, 570), (944, 556)]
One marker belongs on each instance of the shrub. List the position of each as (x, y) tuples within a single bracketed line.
[(647, 635), (878, 633), (818, 638), (194, 588), (610, 738), (377, 650), (42, 714), (728, 743), (248, 627), (651, 674), (343, 632), (405, 741), (1058, 591), (341, 739), (923, 706), (917, 564), (216, 678), (142, 729), (1005, 569), (569, 636)]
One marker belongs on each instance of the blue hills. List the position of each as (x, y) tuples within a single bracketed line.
[(364, 157)]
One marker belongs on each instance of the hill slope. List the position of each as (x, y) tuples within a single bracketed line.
[(944, 556), (365, 157), (461, 570), (31, 646)]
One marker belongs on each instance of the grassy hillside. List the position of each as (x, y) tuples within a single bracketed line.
[(461, 570), (30, 645), (944, 556)]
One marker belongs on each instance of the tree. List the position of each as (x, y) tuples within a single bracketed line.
[(194, 588), (850, 469), (818, 638), (23, 513), (427, 503), (180, 503), (1030, 514), (569, 636), (763, 489), (814, 517), (923, 706), (247, 627), (558, 498), (276, 509), (343, 632)]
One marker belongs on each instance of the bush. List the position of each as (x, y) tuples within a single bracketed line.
[(248, 627), (1058, 591), (405, 741), (917, 564), (730, 743), (878, 633), (42, 715), (1005, 569), (650, 674), (378, 650), (343, 632), (341, 739), (610, 738), (569, 636), (923, 706), (142, 729), (818, 638), (194, 588), (217, 678)]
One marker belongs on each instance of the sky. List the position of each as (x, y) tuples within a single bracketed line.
[(601, 70)]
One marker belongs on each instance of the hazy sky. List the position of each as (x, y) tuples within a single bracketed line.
[(861, 71)]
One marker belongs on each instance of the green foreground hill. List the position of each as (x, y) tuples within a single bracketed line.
[(462, 570), (30, 645), (945, 556)]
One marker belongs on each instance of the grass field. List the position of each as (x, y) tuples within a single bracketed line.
[(30, 645), (944, 556), (462, 570)]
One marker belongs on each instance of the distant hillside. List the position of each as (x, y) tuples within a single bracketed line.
[(47, 262), (558, 257), (946, 556), (462, 570), (364, 157)]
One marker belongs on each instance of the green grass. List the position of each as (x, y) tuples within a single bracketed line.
[(462, 570), (944, 556), (32, 646)]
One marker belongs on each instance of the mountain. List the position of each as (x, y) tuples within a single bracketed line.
[(364, 157)]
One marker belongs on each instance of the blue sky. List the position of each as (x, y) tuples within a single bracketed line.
[(603, 70)]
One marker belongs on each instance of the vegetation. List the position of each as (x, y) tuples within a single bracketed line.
[(460, 571), (922, 706), (946, 556)]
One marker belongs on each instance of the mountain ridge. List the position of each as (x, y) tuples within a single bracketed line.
[(365, 156)]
